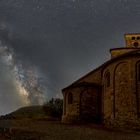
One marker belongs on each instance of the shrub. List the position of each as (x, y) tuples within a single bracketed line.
[(54, 107)]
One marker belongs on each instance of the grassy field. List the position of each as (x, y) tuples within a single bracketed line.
[(32, 123), (35, 129)]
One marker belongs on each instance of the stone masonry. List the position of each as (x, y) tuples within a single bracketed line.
[(110, 94)]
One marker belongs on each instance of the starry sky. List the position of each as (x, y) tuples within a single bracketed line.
[(65, 39)]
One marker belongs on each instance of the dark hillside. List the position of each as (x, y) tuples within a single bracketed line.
[(27, 112)]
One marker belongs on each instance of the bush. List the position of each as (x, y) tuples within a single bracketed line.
[(54, 107)]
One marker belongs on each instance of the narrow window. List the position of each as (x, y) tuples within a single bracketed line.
[(138, 71), (70, 98), (138, 87), (107, 77), (133, 38)]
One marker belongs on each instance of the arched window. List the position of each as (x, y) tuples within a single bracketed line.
[(70, 98), (107, 79), (138, 72), (138, 86), (138, 38)]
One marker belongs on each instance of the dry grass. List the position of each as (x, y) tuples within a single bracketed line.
[(32, 129)]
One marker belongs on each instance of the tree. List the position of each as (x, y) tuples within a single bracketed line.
[(54, 107)]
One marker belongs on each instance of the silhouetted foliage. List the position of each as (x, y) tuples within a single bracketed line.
[(54, 107)]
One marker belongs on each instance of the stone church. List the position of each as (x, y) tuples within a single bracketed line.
[(110, 94)]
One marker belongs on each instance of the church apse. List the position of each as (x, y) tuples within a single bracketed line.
[(110, 94)]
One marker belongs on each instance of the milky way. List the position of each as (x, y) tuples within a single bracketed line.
[(19, 83), (64, 39)]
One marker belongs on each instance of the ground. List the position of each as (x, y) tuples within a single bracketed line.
[(31, 129)]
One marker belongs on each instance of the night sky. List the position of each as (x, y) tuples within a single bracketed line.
[(63, 39)]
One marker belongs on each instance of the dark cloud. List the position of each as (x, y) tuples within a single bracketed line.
[(67, 38)]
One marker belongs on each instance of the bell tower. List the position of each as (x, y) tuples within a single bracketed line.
[(132, 43), (132, 40)]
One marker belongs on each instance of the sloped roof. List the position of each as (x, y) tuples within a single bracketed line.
[(77, 82), (83, 84)]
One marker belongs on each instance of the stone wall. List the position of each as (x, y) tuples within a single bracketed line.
[(86, 105), (120, 99), (92, 77), (90, 105), (71, 111)]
